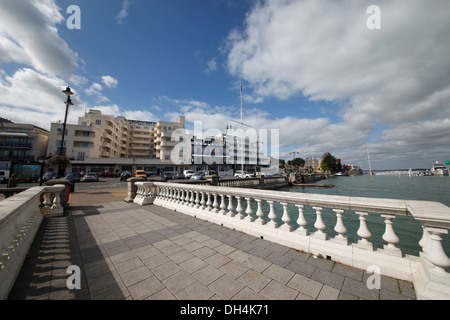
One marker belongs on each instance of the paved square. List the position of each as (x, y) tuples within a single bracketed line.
[(126, 251)]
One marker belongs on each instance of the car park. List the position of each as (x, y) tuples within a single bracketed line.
[(90, 176)]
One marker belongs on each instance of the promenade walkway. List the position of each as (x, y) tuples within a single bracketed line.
[(126, 251)]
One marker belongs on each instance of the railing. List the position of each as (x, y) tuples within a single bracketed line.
[(252, 211), (20, 218)]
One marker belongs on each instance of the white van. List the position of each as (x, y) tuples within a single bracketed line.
[(4, 176), (188, 173)]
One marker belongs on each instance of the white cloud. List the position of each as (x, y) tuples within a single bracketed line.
[(28, 35), (31, 97), (123, 13), (110, 82), (211, 65), (396, 77), (140, 115)]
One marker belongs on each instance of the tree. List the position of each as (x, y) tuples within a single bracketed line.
[(330, 163), (298, 162)]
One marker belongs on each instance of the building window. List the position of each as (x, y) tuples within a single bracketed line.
[(85, 134), (58, 143), (81, 155), (166, 157), (98, 121)]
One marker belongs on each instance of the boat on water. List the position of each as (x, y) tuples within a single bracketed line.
[(439, 169)]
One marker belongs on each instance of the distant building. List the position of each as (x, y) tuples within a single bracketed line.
[(98, 140), (21, 142)]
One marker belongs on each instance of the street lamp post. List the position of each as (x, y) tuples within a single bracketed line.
[(68, 93)]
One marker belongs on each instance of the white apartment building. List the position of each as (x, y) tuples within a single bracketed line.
[(98, 141)]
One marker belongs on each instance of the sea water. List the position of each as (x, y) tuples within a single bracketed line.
[(404, 187)]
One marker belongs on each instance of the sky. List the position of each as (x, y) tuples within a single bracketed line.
[(329, 75)]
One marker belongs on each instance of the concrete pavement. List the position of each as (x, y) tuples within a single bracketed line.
[(125, 251)]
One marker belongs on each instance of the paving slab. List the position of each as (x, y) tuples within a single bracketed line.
[(126, 251)]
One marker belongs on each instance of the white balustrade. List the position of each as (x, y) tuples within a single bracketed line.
[(434, 217), (20, 218)]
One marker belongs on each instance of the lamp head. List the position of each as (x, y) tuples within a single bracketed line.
[(67, 92)]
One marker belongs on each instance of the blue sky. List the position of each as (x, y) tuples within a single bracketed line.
[(311, 69)]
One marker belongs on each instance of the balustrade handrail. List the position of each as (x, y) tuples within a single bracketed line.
[(209, 202), (379, 205), (432, 214), (20, 218)]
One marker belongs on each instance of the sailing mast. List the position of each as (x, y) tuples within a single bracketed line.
[(368, 158)]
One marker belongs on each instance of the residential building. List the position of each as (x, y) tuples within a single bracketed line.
[(21, 142), (98, 137)]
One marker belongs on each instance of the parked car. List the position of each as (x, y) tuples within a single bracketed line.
[(140, 174), (90, 176), (211, 173), (199, 175), (244, 174), (73, 177), (4, 176), (49, 175), (188, 173), (107, 174), (180, 175), (125, 175), (170, 175)]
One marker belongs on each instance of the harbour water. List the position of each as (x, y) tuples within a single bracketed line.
[(428, 188)]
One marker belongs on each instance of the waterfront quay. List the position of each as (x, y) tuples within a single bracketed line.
[(128, 251)]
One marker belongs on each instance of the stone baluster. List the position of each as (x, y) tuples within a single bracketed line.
[(364, 231), (272, 215), (203, 202), (197, 199), (340, 227), (249, 211), (222, 205), (259, 212), (285, 218), (208, 202), (434, 251), (230, 208), (187, 197), (319, 224), (389, 235), (239, 209), (301, 221), (192, 199), (53, 208), (215, 204)]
